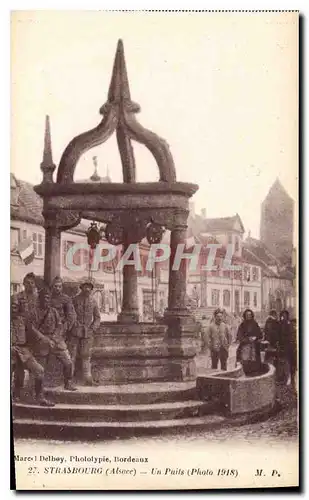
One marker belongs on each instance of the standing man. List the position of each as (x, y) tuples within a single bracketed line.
[(63, 305), (272, 329), (87, 322), (46, 324), (22, 358), (272, 333), (286, 347), (220, 339)]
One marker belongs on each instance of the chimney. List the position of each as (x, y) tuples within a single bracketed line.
[(203, 213)]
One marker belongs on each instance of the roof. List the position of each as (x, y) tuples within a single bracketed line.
[(249, 257), (95, 178), (28, 206), (260, 250), (287, 273), (254, 249), (223, 224), (214, 225), (277, 191)]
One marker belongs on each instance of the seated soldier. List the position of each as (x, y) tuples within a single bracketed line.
[(22, 359), (46, 322)]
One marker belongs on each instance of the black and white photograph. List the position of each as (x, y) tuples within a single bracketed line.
[(154, 250)]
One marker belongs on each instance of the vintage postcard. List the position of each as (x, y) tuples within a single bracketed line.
[(154, 250)]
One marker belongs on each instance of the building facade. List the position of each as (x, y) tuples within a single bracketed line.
[(259, 283)]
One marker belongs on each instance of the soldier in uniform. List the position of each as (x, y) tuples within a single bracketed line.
[(63, 304), (87, 322), (28, 298), (46, 321), (22, 358)]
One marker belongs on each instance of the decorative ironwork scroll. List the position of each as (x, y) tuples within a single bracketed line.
[(118, 114)]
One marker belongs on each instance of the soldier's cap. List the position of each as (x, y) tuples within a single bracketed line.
[(87, 281), (57, 279), (218, 311), (29, 276)]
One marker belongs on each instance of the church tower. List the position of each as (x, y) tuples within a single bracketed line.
[(277, 215)]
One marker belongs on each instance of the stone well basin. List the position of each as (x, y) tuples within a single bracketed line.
[(239, 394)]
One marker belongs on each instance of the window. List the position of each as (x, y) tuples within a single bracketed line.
[(14, 238), (215, 272), (236, 244), (247, 273), (230, 238), (255, 299), (255, 273), (237, 275), (246, 299), (65, 248), (237, 301), (226, 298), (215, 297), (226, 273), (112, 303), (37, 239)]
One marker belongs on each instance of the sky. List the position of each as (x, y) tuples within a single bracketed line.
[(221, 89)]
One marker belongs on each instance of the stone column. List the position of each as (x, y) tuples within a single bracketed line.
[(129, 310), (177, 277), (181, 331), (52, 259)]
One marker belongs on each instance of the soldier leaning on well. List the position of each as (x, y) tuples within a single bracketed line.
[(87, 322), (22, 358), (46, 321)]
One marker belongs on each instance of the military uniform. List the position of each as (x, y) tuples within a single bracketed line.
[(22, 359), (27, 303), (64, 306), (87, 322), (47, 325)]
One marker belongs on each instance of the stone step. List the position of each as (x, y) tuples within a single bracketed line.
[(113, 413), (130, 394), (80, 431)]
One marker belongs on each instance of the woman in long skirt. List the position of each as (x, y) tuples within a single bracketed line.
[(248, 351)]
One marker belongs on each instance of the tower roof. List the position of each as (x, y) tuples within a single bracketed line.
[(277, 191)]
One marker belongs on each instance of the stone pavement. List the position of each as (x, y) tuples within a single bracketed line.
[(281, 427)]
